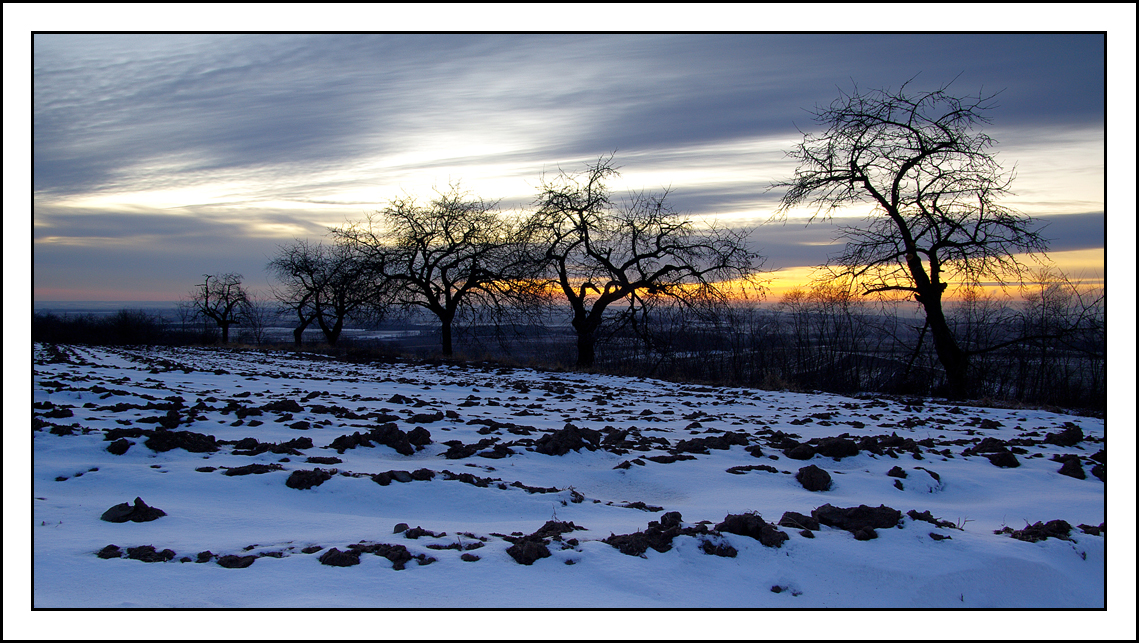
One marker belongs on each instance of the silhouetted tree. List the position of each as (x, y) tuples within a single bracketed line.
[(602, 254), (451, 255), (933, 184), (222, 299), (256, 315), (324, 284), (1062, 324), (796, 304)]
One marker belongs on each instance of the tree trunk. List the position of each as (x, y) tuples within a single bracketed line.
[(334, 335), (949, 353), (298, 332), (586, 327), (955, 360), (586, 343), (224, 332), (331, 334), (448, 350)]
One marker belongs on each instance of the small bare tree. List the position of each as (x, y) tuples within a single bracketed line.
[(256, 316), (933, 184), (601, 254), (1061, 323), (222, 299)]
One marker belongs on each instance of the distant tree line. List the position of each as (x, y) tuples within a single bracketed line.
[(1046, 347), (205, 317), (124, 327)]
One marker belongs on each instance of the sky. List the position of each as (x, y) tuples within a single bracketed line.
[(157, 158)]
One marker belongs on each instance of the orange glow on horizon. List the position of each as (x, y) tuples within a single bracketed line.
[(1086, 268)]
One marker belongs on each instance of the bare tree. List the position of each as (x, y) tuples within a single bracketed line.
[(187, 314), (451, 256), (933, 184), (796, 303), (828, 335), (1062, 325), (222, 299), (325, 284), (604, 254), (256, 316)]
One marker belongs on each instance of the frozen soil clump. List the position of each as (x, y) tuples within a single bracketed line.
[(528, 549), (301, 479), (140, 512), (860, 521), (701, 445), (388, 435), (1041, 531), (799, 521), (658, 535), (162, 440), (570, 438), (813, 478), (397, 554), (753, 526), (148, 554), (232, 561)]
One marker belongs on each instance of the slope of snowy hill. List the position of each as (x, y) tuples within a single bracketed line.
[(199, 478)]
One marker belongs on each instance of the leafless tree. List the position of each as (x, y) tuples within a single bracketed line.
[(602, 254), (256, 316), (933, 184), (325, 284), (796, 304), (450, 256), (222, 299), (1063, 325), (827, 331), (187, 313)]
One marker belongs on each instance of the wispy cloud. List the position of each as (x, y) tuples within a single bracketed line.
[(193, 142)]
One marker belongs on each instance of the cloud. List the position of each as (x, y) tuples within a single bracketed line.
[(225, 105), (107, 103), (1067, 232), (190, 141)]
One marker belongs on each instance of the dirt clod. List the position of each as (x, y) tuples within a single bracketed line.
[(527, 552), (236, 562), (302, 479), (140, 512), (336, 558), (1042, 531), (753, 526), (857, 519), (813, 478)]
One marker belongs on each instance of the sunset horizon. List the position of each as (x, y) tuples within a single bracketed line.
[(159, 158)]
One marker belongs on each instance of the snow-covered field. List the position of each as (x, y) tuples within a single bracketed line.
[(482, 463)]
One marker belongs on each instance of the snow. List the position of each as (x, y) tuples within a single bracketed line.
[(75, 479)]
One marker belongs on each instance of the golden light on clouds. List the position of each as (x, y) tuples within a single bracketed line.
[(1057, 171), (1085, 265), (788, 279), (215, 149)]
